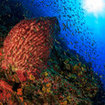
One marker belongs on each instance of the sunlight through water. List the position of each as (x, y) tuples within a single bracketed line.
[(94, 6)]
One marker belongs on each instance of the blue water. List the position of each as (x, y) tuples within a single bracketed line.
[(81, 24), (82, 31)]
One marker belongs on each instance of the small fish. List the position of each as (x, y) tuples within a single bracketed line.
[(61, 38), (64, 26), (77, 55), (76, 42), (59, 16), (67, 50), (75, 47), (85, 52), (41, 60), (54, 2), (17, 5), (100, 76), (64, 15), (57, 41), (64, 53), (20, 4), (65, 8), (66, 35), (71, 43), (73, 34), (42, 1), (69, 16), (47, 5)]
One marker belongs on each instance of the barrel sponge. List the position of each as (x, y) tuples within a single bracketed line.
[(27, 46)]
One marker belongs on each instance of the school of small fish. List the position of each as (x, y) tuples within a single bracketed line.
[(75, 34)]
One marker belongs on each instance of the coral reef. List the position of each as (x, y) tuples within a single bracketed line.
[(74, 69), (65, 77), (35, 66)]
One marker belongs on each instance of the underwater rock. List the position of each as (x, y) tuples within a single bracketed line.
[(27, 46)]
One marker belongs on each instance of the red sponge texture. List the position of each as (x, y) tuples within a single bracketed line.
[(27, 46)]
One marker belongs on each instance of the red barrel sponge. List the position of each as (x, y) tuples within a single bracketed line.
[(27, 46)]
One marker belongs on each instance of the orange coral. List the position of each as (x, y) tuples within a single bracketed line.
[(19, 91)]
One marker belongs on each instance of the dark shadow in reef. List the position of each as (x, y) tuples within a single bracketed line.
[(11, 12)]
